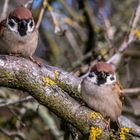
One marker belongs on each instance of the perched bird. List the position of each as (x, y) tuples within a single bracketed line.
[(18, 35), (101, 91)]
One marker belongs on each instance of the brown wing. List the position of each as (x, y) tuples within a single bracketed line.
[(119, 87)]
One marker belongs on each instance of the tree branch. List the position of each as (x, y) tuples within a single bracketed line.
[(11, 102), (51, 87), (13, 134), (128, 40), (4, 10)]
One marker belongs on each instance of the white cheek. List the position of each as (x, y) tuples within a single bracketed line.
[(109, 81), (30, 29), (93, 79), (15, 28)]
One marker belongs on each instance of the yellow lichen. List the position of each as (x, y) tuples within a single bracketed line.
[(122, 133), (93, 115), (8, 74), (95, 133), (137, 33), (56, 74), (48, 81), (48, 6)]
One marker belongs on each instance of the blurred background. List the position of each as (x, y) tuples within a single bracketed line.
[(72, 36)]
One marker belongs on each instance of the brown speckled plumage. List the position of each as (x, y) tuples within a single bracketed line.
[(104, 98)]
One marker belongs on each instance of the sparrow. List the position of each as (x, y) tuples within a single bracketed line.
[(18, 34), (102, 92)]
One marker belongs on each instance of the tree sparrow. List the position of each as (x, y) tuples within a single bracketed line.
[(101, 92), (18, 35)]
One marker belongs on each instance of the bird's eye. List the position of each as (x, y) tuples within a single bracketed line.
[(11, 22), (91, 75), (111, 78), (31, 24), (96, 72)]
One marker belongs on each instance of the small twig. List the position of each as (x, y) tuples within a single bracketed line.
[(90, 15), (13, 134), (73, 14), (4, 10), (132, 90), (74, 45), (28, 4), (58, 30), (11, 102), (50, 122), (129, 38), (45, 3), (109, 35), (16, 115), (57, 26), (132, 53)]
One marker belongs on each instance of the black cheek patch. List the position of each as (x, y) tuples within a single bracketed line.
[(101, 81), (22, 28), (31, 24), (11, 23), (91, 75), (22, 32)]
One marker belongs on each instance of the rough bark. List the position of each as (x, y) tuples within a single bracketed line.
[(53, 88)]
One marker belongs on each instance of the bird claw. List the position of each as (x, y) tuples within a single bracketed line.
[(35, 61), (15, 54), (107, 124), (82, 103)]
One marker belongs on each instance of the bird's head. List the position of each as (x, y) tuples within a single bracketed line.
[(102, 74), (20, 20)]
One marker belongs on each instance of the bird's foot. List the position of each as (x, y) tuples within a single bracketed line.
[(15, 54), (107, 124), (35, 61), (82, 103)]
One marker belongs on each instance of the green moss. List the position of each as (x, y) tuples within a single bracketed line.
[(8, 74), (5, 74), (34, 86), (73, 92), (52, 92), (56, 74)]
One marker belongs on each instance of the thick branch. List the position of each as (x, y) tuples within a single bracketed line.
[(50, 87), (22, 74)]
